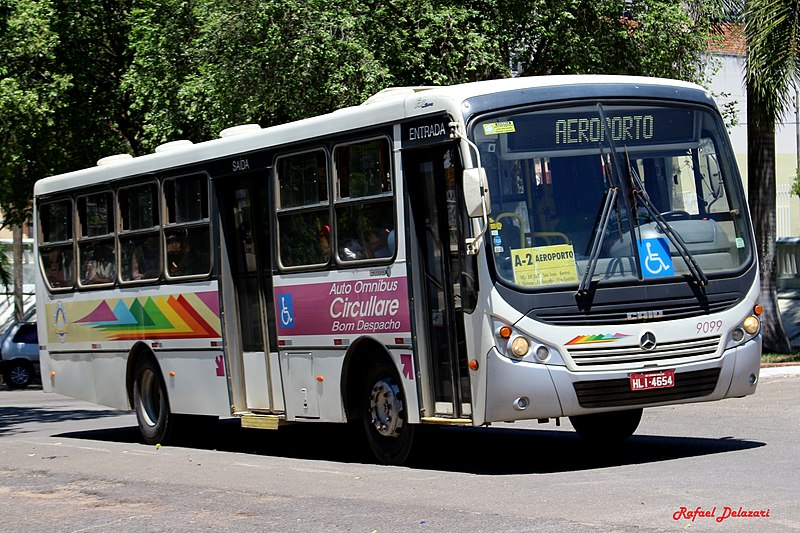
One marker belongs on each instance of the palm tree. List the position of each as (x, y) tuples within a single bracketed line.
[(772, 30)]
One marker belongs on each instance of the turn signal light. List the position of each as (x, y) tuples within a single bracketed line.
[(504, 332), (758, 310), (473, 364)]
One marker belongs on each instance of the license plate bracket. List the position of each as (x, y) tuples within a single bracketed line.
[(663, 379)]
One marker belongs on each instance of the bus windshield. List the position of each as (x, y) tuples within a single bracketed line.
[(652, 189)]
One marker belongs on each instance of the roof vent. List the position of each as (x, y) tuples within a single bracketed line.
[(393, 93), (173, 145), (111, 159), (239, 130)]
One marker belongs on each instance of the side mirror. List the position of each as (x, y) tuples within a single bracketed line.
[(475, 189), (714, 176)]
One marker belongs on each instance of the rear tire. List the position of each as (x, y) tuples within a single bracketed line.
[(19, 374), (156, 422), (385, 415), (607, 428)]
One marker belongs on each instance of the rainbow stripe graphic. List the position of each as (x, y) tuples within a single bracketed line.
[(597, 338), (185, 316)]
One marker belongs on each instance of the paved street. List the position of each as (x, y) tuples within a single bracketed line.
[(67, 465)]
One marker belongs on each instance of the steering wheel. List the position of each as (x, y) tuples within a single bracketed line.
[(676, 213)]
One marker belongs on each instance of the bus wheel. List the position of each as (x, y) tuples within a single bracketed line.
[(385, 418), (615, 426), (150, 402)]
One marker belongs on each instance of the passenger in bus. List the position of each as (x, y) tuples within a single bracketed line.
[(377, 242), (99, 266), (351, 251), (138, 269), (325, 243), (56, 268), (177, 256)]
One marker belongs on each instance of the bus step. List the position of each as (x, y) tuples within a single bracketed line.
[(257, 421), (446, 421)]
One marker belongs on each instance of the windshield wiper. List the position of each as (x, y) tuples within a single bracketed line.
[(632, 188), (609, 204), (615, 185), (676, 240)]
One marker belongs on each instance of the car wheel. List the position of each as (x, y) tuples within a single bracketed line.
[(19, 375)]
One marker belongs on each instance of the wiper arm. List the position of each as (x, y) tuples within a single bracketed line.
[(676, 240), (597, 242)]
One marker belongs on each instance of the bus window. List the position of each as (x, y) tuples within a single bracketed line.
[(365, 201), (186, 232), (56, 252), (303, 215), (96, 239), (140, 249)]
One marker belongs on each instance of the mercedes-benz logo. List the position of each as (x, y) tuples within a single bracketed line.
[(647, 341)]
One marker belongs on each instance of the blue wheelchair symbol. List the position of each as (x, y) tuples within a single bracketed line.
[(655, 258), (286, 311)]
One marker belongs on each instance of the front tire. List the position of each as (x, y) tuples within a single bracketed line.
[(385, 415), (19, 375), (156, 422), (607, 428)]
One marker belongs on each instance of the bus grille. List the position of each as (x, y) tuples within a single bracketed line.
[(596, 357), (617, 313), (618, 393)]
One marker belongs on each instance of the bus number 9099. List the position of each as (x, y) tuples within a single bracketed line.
[(710, 326)]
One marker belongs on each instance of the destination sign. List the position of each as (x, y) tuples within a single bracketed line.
[(539, 132)]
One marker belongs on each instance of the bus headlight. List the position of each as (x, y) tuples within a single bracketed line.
[(520, 346), (751, 325), (737, 335)]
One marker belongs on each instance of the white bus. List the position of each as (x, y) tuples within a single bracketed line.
[(529, 248)]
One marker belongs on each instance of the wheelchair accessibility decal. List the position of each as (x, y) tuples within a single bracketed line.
[(655, 258), (286, 311)]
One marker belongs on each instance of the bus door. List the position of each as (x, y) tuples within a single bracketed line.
[(436, 232), (246, 281)]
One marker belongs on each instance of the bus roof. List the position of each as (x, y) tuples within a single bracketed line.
[(387, 106)]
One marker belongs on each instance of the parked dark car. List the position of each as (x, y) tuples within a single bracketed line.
[(19, 354)]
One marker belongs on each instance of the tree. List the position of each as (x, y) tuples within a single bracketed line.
[(772, 30), (641, 37), (31, 93)]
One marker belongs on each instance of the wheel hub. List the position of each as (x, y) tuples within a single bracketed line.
[(385, 408), (18, 375)]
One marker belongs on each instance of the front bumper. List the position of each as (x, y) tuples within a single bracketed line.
[(518, 390)]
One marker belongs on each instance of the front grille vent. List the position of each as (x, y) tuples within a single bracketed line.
[(618, 393), (618, 312), (594, 357)]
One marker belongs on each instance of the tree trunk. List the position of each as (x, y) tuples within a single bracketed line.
[(16, 250), (761, 197)]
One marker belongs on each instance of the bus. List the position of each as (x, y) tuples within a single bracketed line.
[(518, 249)]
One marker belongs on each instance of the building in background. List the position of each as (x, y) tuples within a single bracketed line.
[(727, 83)]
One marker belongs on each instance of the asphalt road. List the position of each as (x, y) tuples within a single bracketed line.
[(67, 465)]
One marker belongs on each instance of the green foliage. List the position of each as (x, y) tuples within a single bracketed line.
[(796, 184), (644, 37), (31, 94), (80, 79), (772, 29)]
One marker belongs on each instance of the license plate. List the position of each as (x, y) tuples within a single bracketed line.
[(653, 380)]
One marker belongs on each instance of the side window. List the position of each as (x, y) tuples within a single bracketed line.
[(56, 249), (96, 255), (303, 209), (186, 228), (139, 237), (365, 201)]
